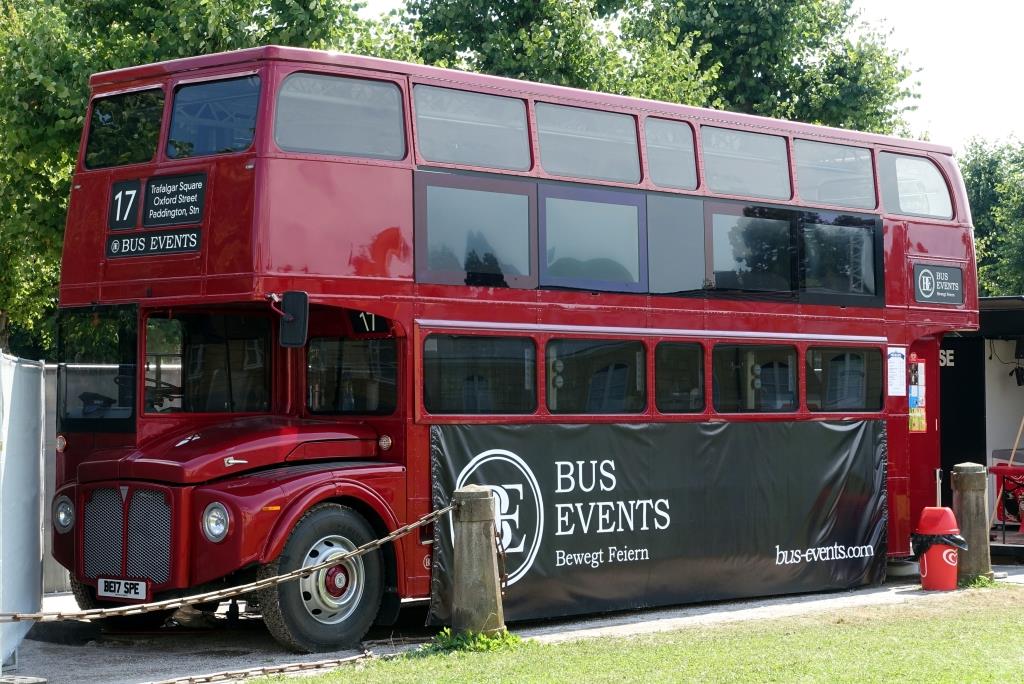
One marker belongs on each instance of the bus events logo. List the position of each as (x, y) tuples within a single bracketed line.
[(519, 505), (926, 283)]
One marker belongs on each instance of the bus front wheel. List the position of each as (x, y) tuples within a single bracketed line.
[(332, 608)]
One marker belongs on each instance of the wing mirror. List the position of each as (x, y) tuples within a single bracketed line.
[(294, 312)]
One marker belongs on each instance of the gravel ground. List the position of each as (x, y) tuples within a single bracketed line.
[(66, 653)]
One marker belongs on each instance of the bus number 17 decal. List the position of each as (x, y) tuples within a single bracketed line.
[(123, 212)]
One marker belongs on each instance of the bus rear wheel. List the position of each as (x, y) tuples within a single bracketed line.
[(332, 608)]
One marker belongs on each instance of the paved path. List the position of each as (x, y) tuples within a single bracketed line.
[(86, 655)]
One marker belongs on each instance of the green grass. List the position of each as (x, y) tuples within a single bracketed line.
[(446, 642), (979, 582), (968, 636)]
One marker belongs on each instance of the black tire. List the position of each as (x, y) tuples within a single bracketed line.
[(85, 596), (303, 615)]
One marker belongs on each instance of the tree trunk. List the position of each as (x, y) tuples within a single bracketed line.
[(5, 332)]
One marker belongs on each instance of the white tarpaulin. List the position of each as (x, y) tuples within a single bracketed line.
[(21, 493)]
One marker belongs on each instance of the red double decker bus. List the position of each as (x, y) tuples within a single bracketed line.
[(692, 353)]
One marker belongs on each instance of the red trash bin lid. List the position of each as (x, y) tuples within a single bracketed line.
[(935, 520)]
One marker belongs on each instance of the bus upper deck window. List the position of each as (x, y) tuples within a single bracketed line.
[(670, 155), (124, 129), (914, 186), (325, 114), (460, 127), (742, 163), (834, 174), (585, 143), (213, 117)]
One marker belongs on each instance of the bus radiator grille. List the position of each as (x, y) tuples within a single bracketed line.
[(149, 536), (102, 527)]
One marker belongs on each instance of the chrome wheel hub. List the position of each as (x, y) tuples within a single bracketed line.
[(331, 596)]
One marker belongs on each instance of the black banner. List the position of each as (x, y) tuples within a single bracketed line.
[(938, 284), (174, 200), (609, 517), (150, 243)]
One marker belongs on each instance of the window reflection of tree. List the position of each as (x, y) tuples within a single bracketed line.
[(602, 268), (839, 258), (761, 253), (481, 265), (124, 129)]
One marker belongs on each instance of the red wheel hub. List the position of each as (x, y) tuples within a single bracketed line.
[(336, 581)]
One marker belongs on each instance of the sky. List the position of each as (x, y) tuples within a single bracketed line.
[(967, 59)]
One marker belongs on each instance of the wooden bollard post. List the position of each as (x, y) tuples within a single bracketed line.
[(970, 505), (476, 589)]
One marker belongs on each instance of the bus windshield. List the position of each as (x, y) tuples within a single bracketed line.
[(124, 128), (207, 363), (96, 374)]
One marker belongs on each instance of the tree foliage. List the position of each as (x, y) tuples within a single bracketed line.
[(572, 43), (47, 52), (994, 176), (795, 59)]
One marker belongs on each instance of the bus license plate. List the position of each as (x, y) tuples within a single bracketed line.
[(131, 590)]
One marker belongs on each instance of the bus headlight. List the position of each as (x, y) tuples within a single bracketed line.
[(63, 514), (216, 522)]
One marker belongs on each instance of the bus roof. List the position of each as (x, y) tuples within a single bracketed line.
[(107, 80)]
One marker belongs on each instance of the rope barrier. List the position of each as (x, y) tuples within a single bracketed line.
[(289, 668), (221, 594)]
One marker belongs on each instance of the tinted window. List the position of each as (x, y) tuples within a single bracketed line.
[(679, 377), (213, 117), (742, 163), (913, 185), (96, 380), (351, 375), (839, 259), (593, 239), (595, 376), (754, 378), (478, 231), (752, 252), (469, 374), (336, 115), (124, 129), (471, 128), (675, 243), (844, 379), (834, 174), (202, 363), (670, 157), (587, 144)]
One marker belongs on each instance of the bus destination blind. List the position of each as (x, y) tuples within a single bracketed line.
[(174, 200)]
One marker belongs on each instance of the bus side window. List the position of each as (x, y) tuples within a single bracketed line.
[(474, 374), (754, 378), (844, 379), (679, 377), (596, 376), (352, 376)]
